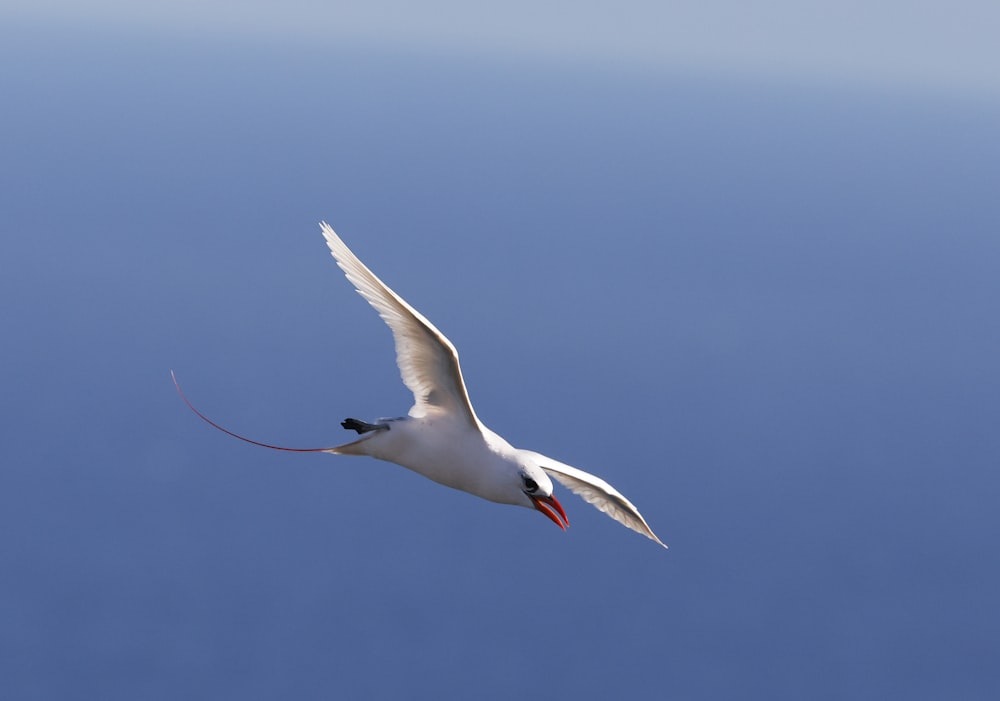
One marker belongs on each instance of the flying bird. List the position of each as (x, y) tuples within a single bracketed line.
[(442, 438)]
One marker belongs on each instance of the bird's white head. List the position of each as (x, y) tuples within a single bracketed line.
[(537, 489)]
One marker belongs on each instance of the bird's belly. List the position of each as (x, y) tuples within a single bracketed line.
[(452, 456)]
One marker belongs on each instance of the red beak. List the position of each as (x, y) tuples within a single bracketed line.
[(552, 509)]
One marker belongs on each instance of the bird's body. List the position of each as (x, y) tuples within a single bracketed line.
[(481, 463), (442, 438)]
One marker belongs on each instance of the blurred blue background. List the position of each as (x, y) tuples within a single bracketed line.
[(744, 264)]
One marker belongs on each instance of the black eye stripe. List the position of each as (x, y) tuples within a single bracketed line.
[(530, 485)]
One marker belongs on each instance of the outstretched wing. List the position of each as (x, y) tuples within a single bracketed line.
[(428, 362), (595, 491)]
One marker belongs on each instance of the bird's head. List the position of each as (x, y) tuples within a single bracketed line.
[(537, 488)]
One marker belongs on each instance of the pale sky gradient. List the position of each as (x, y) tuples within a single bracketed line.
[(920, 45)]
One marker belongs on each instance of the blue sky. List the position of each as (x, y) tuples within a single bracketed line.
[(744, 266)]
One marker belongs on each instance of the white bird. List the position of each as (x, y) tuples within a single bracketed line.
[(442, 438)]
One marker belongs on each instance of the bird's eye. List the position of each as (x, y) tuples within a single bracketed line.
[(530, 485)]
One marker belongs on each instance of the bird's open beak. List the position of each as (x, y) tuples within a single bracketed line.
[(552, 509)]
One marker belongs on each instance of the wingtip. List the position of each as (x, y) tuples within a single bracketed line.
[(333, 241), (652, 536)]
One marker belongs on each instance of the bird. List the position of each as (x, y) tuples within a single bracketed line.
[(441, 437)]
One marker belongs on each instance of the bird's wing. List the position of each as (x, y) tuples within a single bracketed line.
[(597, 492), (428, 362)]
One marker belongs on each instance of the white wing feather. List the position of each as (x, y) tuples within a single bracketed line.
[(428, 362), (597, 492)]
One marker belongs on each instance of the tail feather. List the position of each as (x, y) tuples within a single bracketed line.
[(354, 447)]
